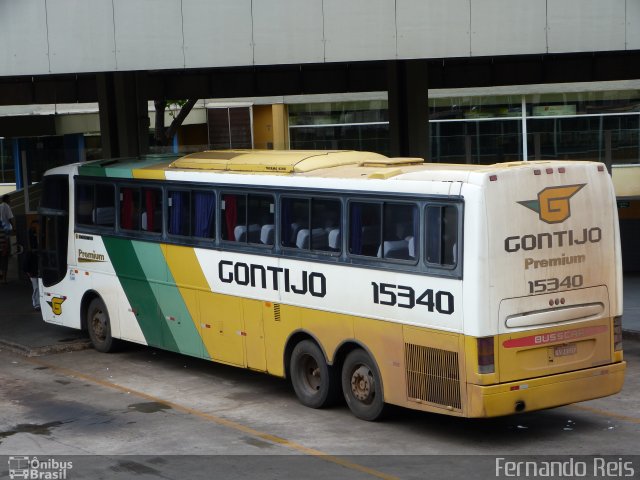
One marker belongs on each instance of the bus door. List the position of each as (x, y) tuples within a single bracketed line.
[(54, 229)]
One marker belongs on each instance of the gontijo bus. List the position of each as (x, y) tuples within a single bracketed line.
[(468, 290)]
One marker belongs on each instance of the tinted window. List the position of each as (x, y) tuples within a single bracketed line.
[(383, 230), (192, 213), (442, 235), (95, 204), (311, 224), (247, 218)]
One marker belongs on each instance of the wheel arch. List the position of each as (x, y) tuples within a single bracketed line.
[(294, 338), (346, 347), (87, 298)]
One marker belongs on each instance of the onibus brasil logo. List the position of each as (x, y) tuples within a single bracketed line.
[(33, 468), (552, 205)]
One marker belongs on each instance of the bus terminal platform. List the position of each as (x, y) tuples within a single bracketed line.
[(23, 330)]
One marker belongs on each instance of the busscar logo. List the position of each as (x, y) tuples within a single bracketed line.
[(552, 204)]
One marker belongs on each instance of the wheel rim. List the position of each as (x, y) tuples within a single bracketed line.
[(310, 373), (363, 384), (99, 325)]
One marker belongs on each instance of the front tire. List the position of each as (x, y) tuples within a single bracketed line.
[(99, 327), (315, 383), (362, 386)]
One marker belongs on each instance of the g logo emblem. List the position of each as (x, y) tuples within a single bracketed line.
[(552, 204), (56, 304)]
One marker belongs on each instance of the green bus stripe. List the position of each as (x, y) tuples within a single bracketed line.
[(172, 306), (140, 293)]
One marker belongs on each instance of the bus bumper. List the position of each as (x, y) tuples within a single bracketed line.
[(546, 392)]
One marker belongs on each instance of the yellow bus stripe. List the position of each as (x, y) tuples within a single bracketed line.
[(150, 172), (217, 420), (189, 278)]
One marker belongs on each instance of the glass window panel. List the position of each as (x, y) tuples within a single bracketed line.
[(325, 225), (294, 219), (234, 217), (151, 218), (442, 235), (104, 212), (401, 224), (365, 220), (129, 208), (179, 212), (203, 217), (84, 203), (260, 216)]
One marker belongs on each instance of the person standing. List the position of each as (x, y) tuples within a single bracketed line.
[(5, 251), (6, 214), (30, 265)]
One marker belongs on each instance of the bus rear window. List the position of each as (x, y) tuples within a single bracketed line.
[(442, 235)]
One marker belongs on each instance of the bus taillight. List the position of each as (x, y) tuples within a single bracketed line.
[(617, 334), (486, 362)]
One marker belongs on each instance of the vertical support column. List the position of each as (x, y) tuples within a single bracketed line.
[(82, 152), (280, 119), (124, 116), (175, 144), (608, 156), (17, 163), (408, 108)]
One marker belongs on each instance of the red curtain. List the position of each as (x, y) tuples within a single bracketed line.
[(126, 211), (231, 215)]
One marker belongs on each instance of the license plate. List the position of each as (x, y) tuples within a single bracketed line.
[(565, 350)]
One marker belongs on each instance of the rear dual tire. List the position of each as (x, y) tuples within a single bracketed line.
[(362, 386), (318, 385)]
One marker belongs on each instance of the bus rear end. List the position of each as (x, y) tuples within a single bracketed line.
[(554, 283)]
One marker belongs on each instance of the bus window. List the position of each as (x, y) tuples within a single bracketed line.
[(261, 213), (364, 228), (95, 205), (204, 214), (383, 230), (308, 224), (151, 218), (442, 235), (179, 203), (248, 218), (129, 208), (401, 224), (294, 214)]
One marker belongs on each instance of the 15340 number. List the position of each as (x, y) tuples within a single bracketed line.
[(405, 297)]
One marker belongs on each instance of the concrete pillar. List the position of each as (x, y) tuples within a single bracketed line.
[(408, 108), (124, 115), (17, 163), (280, 115)]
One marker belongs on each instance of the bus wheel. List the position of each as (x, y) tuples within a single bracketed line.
[(315, 383), (99, 327), (362, 386)]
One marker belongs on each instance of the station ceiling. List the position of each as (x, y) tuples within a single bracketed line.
[(325, 78)]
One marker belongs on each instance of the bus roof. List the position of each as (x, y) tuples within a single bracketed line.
[(333, 164)]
